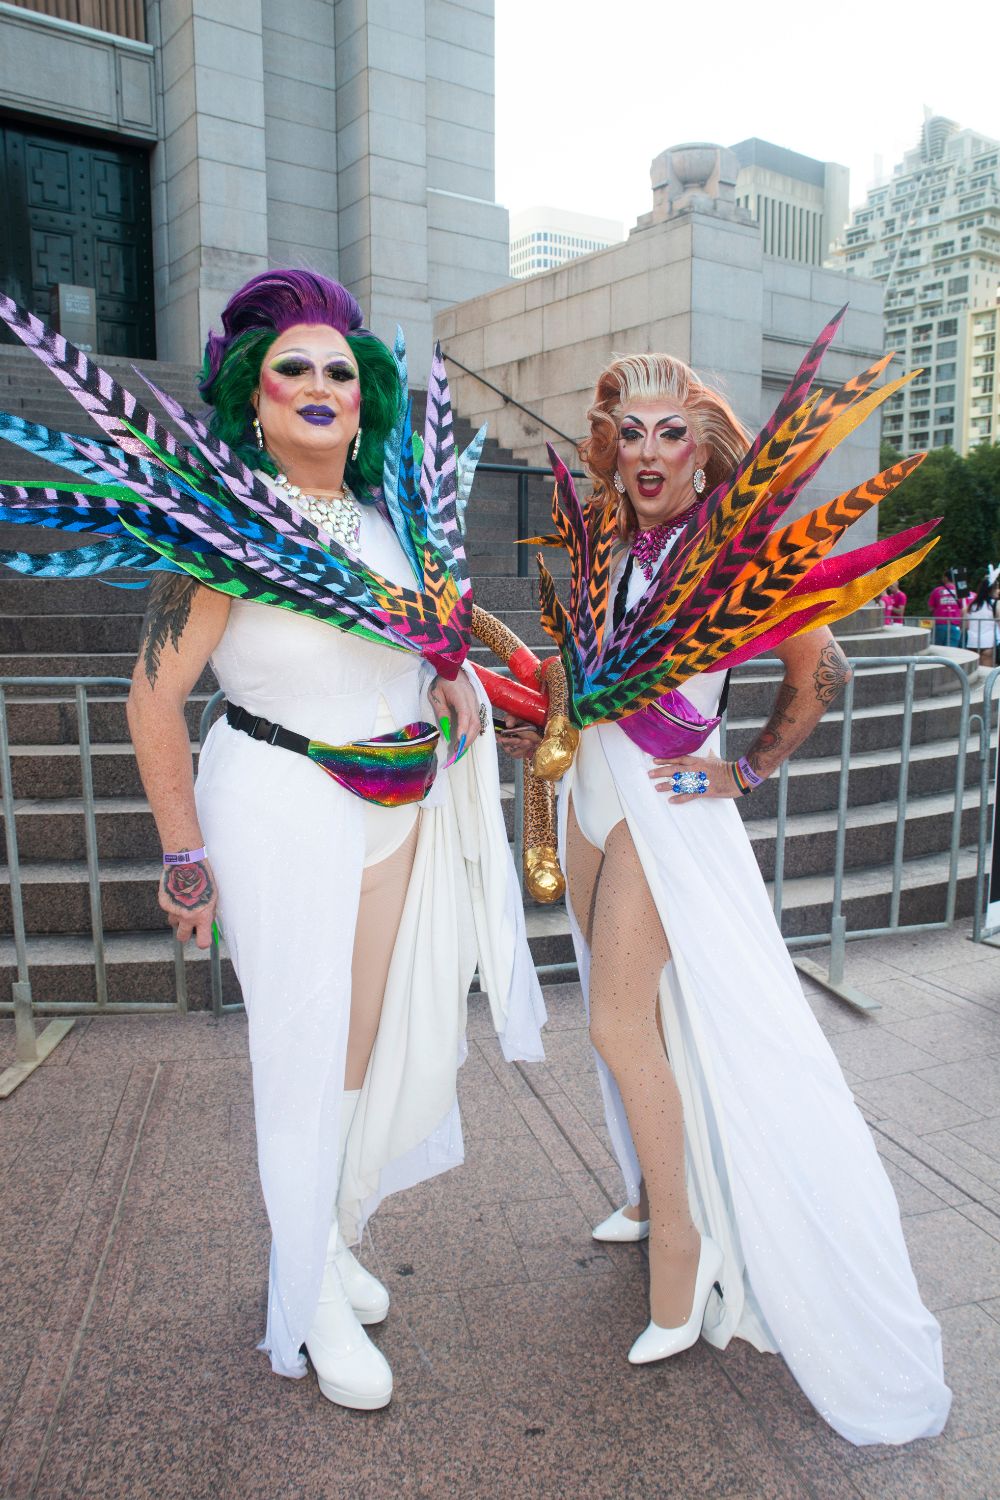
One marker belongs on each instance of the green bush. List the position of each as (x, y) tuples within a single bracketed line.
[(965, 494)]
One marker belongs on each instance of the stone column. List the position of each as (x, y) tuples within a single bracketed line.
[(209, 175), (381, 80)]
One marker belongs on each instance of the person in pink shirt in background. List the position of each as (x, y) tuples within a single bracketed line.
[(945, 605), (893, 603)]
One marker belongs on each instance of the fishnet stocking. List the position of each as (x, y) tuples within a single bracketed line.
[(628, 949), (380, 909)]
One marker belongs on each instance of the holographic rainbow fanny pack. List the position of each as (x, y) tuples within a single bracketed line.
[(390, 769)]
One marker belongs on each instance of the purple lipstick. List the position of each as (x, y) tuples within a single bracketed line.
[(319, 416)]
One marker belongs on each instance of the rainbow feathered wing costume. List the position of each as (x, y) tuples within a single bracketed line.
[(736, 584), (157, 505)]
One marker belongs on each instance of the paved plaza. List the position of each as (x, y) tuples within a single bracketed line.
[(134, 1253)]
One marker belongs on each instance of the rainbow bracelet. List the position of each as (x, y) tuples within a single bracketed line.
[(745, 776)]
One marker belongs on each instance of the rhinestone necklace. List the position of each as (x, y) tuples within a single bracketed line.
[(648, 545), (338, 515)]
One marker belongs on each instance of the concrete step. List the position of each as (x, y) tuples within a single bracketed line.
[(140, 965), (877, 726), (52, 719), (73, 633), (117, 665), (810, 839), (53, 770), (752, 688), (50, 832), (44, 771), (813, 783), (807, 902)]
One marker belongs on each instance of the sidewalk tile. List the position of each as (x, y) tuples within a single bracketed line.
[(953, 1260), (878, 1053), (915, 1103), (976, 1082), (447, 1249)]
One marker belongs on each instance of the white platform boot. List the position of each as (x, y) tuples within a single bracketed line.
[(349, 1368), (351, 1371), (365, 1292)]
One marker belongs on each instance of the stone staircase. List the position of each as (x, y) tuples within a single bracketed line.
[(85, 628)]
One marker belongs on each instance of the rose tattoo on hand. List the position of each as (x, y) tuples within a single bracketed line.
[(188, 886)]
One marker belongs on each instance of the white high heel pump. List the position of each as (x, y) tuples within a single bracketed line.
[(617, 1228), (660, 1343), (350, 1370)]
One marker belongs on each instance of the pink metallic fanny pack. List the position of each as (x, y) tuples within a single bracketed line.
[(670, 726)]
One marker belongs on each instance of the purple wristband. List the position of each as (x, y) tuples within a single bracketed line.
[(185, 857), (748, 772)]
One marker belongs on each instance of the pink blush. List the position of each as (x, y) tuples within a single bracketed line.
[(352, 398), (276, 389)]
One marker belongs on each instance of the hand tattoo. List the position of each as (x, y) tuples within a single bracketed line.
[(771, 737), (189, 886), (170, 601), (831, 674)]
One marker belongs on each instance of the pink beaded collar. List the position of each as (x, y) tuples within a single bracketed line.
[(648, 545)]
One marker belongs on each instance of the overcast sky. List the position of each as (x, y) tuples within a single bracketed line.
[(589, 91)]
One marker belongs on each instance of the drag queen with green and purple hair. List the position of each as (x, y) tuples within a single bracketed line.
[(345, 826)]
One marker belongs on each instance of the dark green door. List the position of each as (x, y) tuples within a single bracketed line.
[(78, 211)]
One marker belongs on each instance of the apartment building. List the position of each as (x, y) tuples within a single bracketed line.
[(931, 236)]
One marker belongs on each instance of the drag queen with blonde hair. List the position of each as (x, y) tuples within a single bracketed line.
[(745, 1160)]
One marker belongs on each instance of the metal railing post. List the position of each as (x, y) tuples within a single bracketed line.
[(30, 1049), (522, 525), (90, 835), (838, 922), (902, 795), (779, 843), (26, 1047), (519, 823), (983, 840)]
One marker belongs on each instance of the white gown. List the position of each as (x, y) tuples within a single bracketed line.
[(782, 1170), (287, 844)]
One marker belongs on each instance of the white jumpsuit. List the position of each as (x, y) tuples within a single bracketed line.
[(288, 845)]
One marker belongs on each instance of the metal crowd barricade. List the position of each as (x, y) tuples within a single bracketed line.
[(21, 1003), (988, 777), (31, 1048), (837, 934)]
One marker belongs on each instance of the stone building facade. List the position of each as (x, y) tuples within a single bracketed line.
[(163, 167), (691, 279)]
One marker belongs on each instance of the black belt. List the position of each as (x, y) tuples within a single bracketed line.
[(259, 728)]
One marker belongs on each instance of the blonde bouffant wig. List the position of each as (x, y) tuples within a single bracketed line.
[(655, 377)]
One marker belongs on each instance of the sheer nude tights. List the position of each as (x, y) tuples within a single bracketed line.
[(380, 910), (628, 949)]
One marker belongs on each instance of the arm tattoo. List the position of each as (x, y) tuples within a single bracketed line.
[(771, 738), (830, 675), (189, 886), (170, 601)]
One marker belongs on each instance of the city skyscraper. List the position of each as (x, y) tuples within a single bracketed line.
[(931, 235)]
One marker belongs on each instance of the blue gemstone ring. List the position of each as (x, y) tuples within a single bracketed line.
[(690, 783)]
